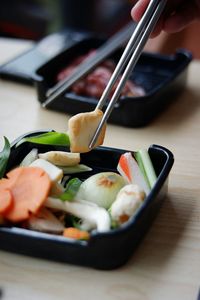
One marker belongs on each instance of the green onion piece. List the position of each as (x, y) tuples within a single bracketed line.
[(4, 156), (48, 138), (146, 166), (29, 158), (80, 168), (71, 190)]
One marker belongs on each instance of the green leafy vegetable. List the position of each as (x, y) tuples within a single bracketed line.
[(146, 166), (76, 222), (75, 169), (48, 138), (4, 156), (71, 189)]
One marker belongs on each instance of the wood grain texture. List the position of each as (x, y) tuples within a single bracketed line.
[(166, 265)]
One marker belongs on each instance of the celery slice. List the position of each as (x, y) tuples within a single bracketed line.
[(75, 169), (141, 167), (146, 166)]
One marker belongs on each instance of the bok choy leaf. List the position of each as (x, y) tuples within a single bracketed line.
[(4, 156), (48, 138), (71, 189)]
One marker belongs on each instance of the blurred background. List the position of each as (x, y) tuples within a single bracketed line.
[(34, 19)]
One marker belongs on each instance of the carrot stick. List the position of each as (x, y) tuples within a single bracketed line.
[(75, 233)]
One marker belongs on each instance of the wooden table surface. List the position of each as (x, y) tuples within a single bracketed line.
[(166, 265)]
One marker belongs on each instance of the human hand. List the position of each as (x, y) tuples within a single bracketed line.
[(177, 15)]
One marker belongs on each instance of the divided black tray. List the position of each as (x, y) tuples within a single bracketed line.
[(107, 250), (163, 77)]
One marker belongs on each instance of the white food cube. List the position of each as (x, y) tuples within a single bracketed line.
[(55, 173)]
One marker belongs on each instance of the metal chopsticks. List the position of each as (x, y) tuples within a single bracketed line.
[(115, 42), (133, 51)]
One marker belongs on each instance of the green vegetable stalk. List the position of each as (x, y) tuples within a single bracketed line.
[(48, 138), (146, 166), (71, 189), (80, 168), (4, 156)]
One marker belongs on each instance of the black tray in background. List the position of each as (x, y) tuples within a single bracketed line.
[(22, 68), (107, 250), (162, 76)]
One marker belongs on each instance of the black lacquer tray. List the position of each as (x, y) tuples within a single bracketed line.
[(107, 250), (163, 77)]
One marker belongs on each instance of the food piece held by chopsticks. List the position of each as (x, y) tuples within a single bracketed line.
[(81, 129)]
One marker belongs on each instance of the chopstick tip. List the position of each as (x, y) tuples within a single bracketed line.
[(93, 141), (43, 105), (91, 145)]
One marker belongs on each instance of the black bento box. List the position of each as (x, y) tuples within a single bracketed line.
[(107, 250), (162, 77)]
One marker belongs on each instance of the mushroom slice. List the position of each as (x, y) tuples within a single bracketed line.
[(61, 158), (45, 221), (81, 129), (92, 214)]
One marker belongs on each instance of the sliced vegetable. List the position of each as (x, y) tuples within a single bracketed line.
[(144, 160), (55, 173), (48, 138), (56, 189), (80, 168), (45, 221), (6, 201), (29, 187), (97, 216), (4, 156), (64, 181), (140, 164), (71, 189), (75, 233), (101, 188), (29, 158), (86, 225), (130, 170), (61, 158)]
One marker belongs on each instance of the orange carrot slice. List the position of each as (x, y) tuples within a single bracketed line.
[(6, 201), (29, 187), (75, 233)]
